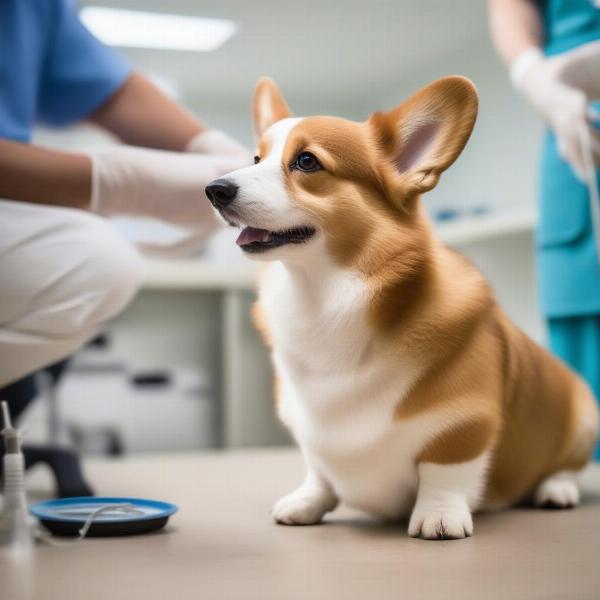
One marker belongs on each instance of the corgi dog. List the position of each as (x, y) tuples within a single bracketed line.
[(409, 391)]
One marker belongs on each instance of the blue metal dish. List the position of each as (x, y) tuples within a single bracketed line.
[(66, 516)]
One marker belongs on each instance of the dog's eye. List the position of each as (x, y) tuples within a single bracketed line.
[(307, 162), (256, 159)]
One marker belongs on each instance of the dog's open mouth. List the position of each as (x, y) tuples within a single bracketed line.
[(252, 239)]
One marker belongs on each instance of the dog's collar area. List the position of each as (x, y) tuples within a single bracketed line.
[(252, 239)]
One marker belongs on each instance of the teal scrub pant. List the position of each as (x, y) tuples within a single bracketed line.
[(576, 340)]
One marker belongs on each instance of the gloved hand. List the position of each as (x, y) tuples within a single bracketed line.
[(217, 143), (559, 88), (580, 68), (169, 186)]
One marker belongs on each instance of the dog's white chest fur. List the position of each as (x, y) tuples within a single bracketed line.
[(339, 388)]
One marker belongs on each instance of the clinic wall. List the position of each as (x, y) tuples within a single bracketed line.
[(498, 167)]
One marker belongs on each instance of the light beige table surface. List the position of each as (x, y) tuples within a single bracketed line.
[(223, 545)]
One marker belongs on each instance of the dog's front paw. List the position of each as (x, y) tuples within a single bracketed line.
[(298, 508), (445, 524)]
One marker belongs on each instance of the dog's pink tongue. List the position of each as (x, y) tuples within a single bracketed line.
[(250, 234)]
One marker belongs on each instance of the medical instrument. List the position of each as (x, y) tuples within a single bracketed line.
[(95, 516), (16, 532)]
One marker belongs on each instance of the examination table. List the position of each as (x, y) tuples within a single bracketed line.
[(223, 544)]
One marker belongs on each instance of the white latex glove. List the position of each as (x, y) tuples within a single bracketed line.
[(580, 68), (217, 143), (169, 186), (561, 102)]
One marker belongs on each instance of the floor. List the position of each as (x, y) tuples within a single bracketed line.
[(223, 545)]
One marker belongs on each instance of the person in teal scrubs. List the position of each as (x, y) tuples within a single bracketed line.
[(553, 50)]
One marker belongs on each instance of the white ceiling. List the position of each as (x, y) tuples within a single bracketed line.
[(342, 52)]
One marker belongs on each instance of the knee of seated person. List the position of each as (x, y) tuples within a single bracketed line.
[(113, 271), (106, 274)]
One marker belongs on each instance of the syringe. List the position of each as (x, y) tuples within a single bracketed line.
[(16, 534)]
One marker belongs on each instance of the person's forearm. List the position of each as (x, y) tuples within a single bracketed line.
[(516, 25), (34, 174), (141, 115)]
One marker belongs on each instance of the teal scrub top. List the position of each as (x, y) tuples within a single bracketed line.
[(568, 266), (52, 69)]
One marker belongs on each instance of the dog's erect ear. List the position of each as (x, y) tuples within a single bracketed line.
[(424, 135), (269, 105)]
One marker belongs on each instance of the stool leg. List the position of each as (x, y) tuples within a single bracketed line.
[(65, 466)]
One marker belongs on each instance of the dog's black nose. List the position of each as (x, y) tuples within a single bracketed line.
[(221, 192)]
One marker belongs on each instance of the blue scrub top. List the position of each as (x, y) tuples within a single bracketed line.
[(52, 69), (570, 23), (568, 266)]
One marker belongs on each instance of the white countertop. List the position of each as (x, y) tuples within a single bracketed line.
[(198, 274)]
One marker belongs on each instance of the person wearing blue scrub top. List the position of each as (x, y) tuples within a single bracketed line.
[(567, 257), (51, 68), (64, 268)]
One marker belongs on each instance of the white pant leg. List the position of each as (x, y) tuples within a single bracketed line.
[(63, 273)]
